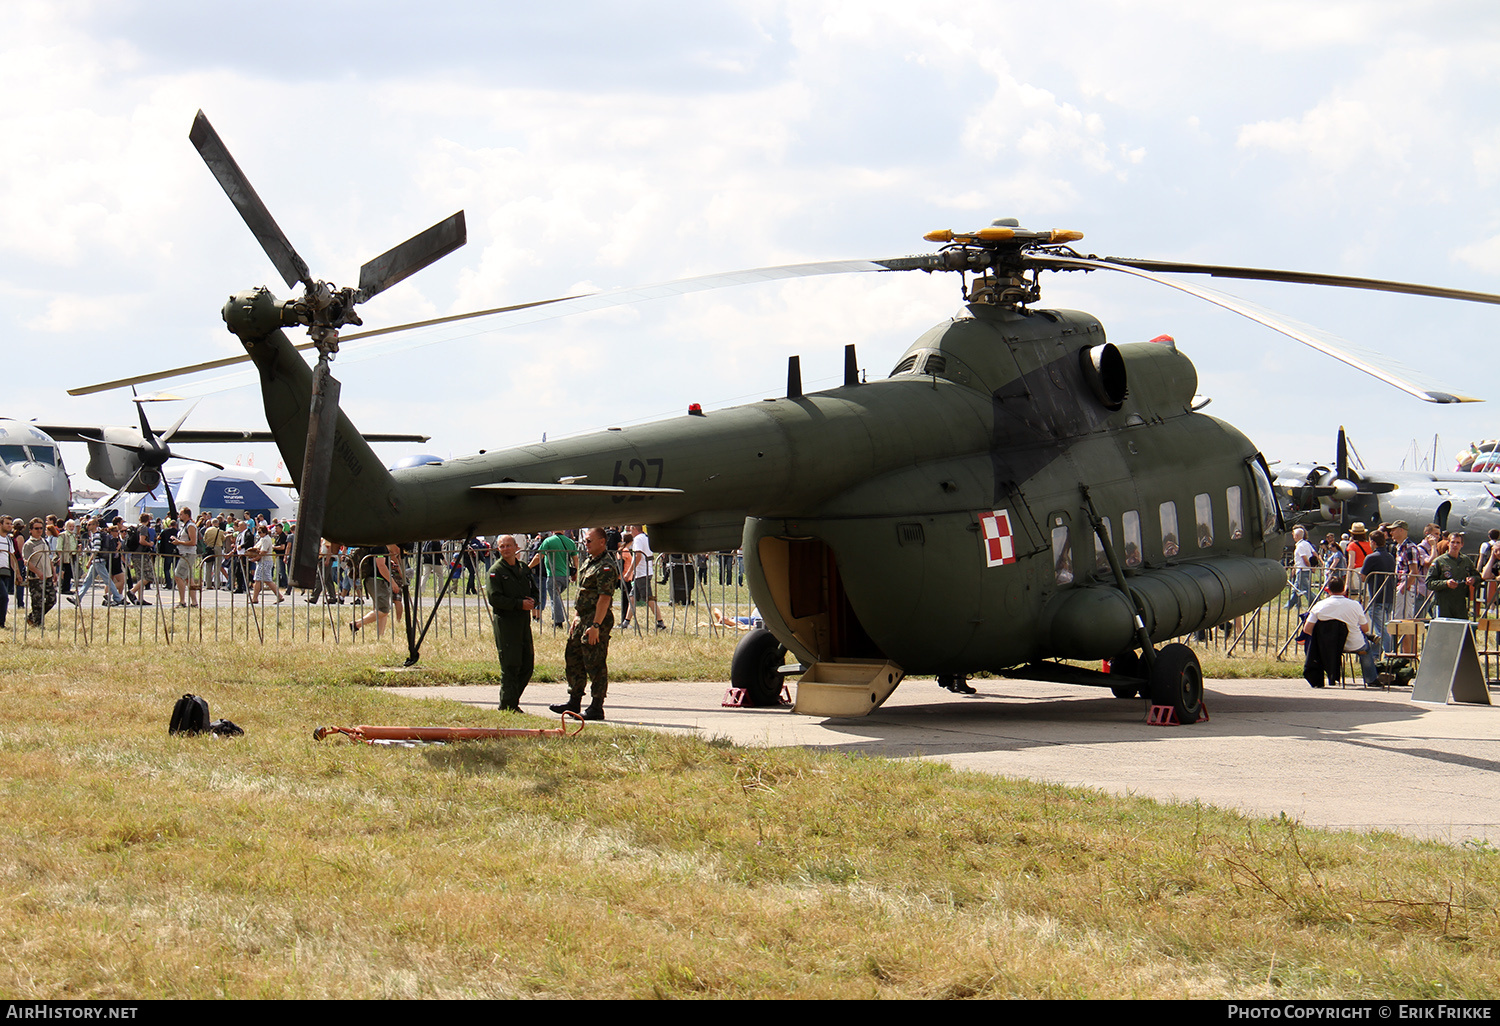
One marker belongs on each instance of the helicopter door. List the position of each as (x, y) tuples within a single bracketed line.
[(816, 606)]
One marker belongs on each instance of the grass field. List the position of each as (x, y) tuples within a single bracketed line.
[(629, 864)]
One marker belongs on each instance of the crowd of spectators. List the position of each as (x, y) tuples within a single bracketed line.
[(176, 557)]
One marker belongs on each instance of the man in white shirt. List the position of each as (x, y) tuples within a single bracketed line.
[(1338, 607), (641, 582), (1304, 555)]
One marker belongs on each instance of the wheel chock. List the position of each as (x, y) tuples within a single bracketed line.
[(1166, 715), (1162, 716), (734, 698)]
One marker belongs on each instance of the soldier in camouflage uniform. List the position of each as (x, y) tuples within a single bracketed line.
[(587, 650), (512, 593)]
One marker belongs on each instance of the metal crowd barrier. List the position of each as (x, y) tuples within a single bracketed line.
[(219, 606)]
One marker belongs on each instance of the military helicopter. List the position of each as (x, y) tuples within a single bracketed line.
[(1019, 492)]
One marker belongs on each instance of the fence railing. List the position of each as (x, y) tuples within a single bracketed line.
[(139, 598), (123, 598)]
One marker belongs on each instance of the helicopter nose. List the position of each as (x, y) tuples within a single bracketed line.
[(34, 490)]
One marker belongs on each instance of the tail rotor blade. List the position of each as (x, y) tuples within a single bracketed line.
[(412, 255), (237, 187)]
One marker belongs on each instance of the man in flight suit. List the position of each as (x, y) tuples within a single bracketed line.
[(512, 594)]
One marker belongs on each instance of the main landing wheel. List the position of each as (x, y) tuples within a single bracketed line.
[(1177, 680), (757, 658)]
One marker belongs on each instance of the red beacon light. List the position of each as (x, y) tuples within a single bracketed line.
[(695, 409)]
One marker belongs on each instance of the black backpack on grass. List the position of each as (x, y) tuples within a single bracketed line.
[(189, 716)]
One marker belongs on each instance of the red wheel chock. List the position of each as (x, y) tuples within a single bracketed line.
[(1166, 715), (734, 698)]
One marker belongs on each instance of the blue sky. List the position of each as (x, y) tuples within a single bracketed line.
[(609, 144)]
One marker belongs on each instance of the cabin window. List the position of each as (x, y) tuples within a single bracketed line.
[(1235, 502), (1062, 557), (1171, 541), (1131, 522), (1203, 511), (1270, 510), (1101, 561)]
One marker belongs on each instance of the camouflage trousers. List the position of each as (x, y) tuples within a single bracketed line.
[(587, 664), (43, 598)]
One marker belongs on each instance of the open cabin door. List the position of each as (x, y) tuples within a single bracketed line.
[(803, 577)]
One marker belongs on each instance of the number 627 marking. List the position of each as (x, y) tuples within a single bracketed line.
[(639, 469)]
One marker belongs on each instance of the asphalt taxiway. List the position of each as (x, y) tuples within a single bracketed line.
[(1352, 758)]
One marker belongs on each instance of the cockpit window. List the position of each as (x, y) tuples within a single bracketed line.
[(13, 454), (1270, 509), (43, 454)]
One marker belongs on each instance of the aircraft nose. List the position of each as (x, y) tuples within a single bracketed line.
[(34, 490)]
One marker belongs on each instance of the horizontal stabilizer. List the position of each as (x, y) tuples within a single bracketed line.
[(539, 488)]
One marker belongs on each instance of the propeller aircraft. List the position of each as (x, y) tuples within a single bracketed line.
[(1019, 492), (33, 480), (131, 460), (1315, 495)]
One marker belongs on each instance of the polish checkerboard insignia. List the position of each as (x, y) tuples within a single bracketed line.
[(999, 546)]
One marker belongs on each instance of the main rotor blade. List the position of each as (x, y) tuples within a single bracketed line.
[(567, 306), (237, 187), (1375, 364), (230, 361), (412, 255), (196, 436), (1307, 278)]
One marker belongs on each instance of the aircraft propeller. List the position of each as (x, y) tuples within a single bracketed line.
[(323, 309), (152, 453)]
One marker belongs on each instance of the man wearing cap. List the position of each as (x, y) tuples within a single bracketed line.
[(1451, 579), (1411, 573)]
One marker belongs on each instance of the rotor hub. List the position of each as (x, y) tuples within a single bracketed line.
[(1000, 254)]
